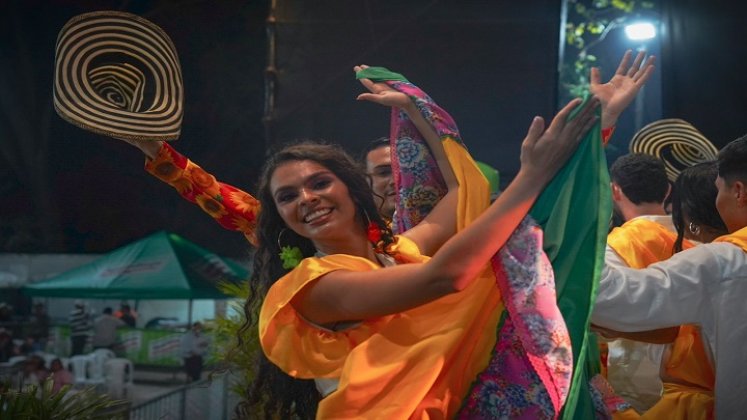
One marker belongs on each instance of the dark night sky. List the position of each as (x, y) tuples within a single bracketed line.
[(491, 63)]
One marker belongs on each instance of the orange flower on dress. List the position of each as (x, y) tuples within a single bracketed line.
[(182, 185), (244, 225), (211, 206), (167, 171), (163, 166), (244, 202), (201, 178)]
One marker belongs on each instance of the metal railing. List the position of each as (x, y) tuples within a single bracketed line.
[(201, 400)]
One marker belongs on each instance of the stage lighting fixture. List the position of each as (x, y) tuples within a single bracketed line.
[(640, 31)]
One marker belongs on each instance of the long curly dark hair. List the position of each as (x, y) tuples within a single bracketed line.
[(274, 394), (694, 196)]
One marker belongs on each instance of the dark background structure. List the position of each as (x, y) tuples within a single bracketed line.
[(492, 64)]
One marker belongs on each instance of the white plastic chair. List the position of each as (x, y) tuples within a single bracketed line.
[(119, 374), (104, 353), (48, 357), (87, 371), (79, 366), (16, 359), (99, 358)]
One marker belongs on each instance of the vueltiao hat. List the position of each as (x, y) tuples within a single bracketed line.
[(118, 74), (676, 142)]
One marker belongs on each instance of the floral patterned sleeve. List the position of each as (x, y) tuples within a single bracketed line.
[(231, 207)]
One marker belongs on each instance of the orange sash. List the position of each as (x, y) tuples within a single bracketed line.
[(642, 242), (738, 238), (639, 243)]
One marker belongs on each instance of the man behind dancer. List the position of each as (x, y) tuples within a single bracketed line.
[(639, 190), (705, 285)]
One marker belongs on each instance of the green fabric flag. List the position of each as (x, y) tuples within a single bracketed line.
[(380, 74), (574, 211), (493, 177)]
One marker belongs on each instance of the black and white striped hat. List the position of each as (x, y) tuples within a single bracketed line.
[(118, 74), (676, 142)]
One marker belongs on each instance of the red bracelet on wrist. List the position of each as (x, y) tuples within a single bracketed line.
[(607, 134)]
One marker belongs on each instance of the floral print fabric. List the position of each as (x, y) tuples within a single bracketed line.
[(231, 207), (506, 389), (529, 374), (532, 360), (419, 183)]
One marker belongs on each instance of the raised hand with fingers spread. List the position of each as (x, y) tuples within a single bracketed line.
[(619, 91)]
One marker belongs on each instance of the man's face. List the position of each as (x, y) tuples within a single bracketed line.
[(379, 168), (730, 203)]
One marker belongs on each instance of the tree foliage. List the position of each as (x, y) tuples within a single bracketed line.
[(588, 22), (39, 402), (227, 355)]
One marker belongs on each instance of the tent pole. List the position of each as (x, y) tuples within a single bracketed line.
[(189, 315)]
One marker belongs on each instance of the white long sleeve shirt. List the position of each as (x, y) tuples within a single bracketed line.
[(194, 344), (633, 366), (705, 285)]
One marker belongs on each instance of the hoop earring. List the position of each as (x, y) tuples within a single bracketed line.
[(291, 256), (280, 235), (694, 229)]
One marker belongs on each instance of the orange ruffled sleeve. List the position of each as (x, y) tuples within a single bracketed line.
[(316, 352), (319, 353)]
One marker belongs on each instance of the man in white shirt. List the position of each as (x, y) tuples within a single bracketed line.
[(705, 285), (639, 189), (194, 348)]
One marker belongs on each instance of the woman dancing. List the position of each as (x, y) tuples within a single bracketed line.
[(394, 333)]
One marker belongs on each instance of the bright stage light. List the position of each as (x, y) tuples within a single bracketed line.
[(640, 31)]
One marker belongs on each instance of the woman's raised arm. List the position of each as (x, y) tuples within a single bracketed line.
[(230, 207), (441, 222), (353, 295)]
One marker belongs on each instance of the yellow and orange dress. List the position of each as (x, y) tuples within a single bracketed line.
[(419, 363)]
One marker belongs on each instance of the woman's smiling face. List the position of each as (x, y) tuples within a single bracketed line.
[(313, 202)]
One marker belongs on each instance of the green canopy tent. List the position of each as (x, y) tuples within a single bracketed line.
[(160, 266)]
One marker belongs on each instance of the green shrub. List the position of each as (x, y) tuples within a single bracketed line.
[(38, 402)]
